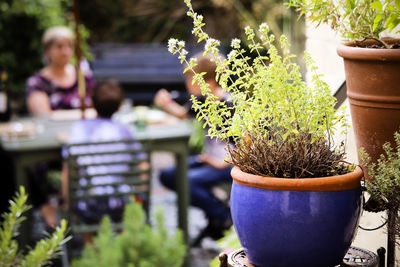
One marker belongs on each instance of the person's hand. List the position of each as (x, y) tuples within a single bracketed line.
[(212, 161), (162, 98)]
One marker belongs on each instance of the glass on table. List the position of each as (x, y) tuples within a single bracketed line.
[(141, 113)]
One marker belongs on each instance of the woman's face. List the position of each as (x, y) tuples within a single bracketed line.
[(60, 52)]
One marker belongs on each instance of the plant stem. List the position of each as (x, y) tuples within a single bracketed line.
[(376, 39)]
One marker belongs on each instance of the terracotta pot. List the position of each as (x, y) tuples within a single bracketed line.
[(295, 222), (373, 89)]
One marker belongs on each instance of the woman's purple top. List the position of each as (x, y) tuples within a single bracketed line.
[(60, 97)]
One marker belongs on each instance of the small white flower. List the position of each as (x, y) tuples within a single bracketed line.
[(184, 52), (272, 37), (172, 45), (215, 42), (181, 44), (235, 43), (232, 55), (172, 42), (193, 60), (264, 28), (211, 44), (247, 29), (200, 17)]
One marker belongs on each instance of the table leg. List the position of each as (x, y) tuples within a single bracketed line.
[(183, 192), (22, 180), (182, 188)]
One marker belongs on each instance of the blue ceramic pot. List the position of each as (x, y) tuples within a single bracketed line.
[(295, 222)]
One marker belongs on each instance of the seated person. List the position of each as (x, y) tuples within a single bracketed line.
[(107, 98), (55, 86), (205, 170)]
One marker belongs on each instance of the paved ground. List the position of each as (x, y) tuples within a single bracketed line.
[(161, 197)]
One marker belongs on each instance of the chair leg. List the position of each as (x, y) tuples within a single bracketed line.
[(64, 256)]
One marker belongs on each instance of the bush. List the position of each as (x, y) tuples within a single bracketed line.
[(45, 249), (139, 245)]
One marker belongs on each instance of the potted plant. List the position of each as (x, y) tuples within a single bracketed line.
[(385, 188), (371, 61), (292, 198)]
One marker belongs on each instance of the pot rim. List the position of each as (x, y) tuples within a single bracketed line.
[(342, 182), (349, 51)]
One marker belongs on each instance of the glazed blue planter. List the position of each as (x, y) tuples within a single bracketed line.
[(302, 224)]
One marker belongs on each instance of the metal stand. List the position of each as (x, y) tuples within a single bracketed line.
[(354, 257), (391, 241)]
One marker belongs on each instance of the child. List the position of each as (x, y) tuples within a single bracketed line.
[(107, 98), (205, 170)]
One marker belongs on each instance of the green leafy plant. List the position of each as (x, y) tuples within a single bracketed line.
[(281, 126), (386, 173), (139, 245), (384, 189), (354, 19), (43, 252)]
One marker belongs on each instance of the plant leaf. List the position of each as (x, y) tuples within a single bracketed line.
[(377, 5), (377, 20)]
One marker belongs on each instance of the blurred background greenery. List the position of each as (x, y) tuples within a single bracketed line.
[(22, 23)]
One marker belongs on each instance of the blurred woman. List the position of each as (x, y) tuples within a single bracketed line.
[(55, 86)]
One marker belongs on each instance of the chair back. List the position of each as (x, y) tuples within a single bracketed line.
[(102, 178)]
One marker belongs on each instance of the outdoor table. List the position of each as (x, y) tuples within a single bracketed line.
[(46, 146)]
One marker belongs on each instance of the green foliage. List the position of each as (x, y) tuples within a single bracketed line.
[(22, 24), (272, 103), (139, 245), (124, 20), (386, 174), (45, 249), (353, 19), (197, 139)]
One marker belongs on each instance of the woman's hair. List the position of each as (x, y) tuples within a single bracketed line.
[(54, 33), (204, 64), (107, 97)]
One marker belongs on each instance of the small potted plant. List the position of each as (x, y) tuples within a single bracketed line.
[(371, 61), (385, 187), (293, 199)]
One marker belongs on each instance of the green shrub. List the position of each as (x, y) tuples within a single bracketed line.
[(139, 245), (386, 173), (44, 250)]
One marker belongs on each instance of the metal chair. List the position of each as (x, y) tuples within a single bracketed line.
[(105, 173)]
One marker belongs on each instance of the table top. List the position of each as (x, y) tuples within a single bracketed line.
[(49, 134)]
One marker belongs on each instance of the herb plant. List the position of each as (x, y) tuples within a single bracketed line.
[(386, 173), (280, 126), (45, 249), (139, 245), (356, 20)]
